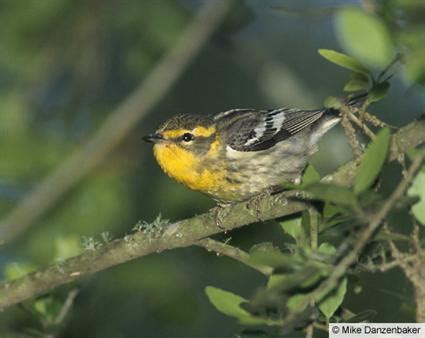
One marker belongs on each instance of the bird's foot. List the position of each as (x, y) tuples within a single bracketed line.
[(220, 211), (255, 203)]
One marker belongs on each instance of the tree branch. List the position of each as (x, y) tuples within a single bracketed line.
[(180, 234)]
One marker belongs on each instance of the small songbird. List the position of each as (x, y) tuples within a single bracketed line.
[(237, 154)]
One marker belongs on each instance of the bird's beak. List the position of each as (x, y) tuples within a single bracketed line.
[(153, 138)]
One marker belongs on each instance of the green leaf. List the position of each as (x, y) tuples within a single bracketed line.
[(311, 175), (313, 279), (332, 193), (330, 210), (358, 82), (415, 61), (297, 303), (303, 278), (275, 280), (418, 189), (372, 162), (344, 61), (229, 303), (47, 308), (226, 302), (40, 306), (333, 102), (365, 36), (327, 249), (334, 300), (294, 228), (378, 92)]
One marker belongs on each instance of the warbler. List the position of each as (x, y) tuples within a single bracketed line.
[(237, 154)]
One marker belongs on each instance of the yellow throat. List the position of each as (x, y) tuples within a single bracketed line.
[(182, 165)]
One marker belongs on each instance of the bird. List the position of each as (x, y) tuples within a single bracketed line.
[(237, 154)]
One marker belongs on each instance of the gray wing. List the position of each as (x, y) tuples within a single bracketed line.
[(251, 130)]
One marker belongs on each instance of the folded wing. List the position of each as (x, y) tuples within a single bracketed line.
[(258, 130)]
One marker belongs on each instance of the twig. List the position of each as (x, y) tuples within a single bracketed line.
[(330, 283), (117, 125), (361, 125), (314, 227), (232, 252), (180, 234), (373, 120), (67, 305), (416, 241), (406, 138), (309, 331), (414, 269), (419, 283), (321, 327), (387, 266), (351, 135)]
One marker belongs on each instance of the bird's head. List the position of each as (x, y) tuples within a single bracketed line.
[(187, 132), (182, 144)]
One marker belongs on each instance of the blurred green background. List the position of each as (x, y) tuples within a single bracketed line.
[(66, 64)]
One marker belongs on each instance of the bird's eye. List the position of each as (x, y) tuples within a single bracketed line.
[(187, 137)]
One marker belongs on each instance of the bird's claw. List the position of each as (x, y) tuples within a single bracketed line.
[(254, 204), (220, 212)]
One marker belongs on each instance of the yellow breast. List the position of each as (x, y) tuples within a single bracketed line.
[(181, 165)]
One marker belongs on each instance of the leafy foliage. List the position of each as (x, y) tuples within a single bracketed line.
[(378, 92), (365, 36), (332, 302), (372, 162), (332, 193), (418, 189), (294, 227), (358, 82), (230, 304), (344, 61)]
